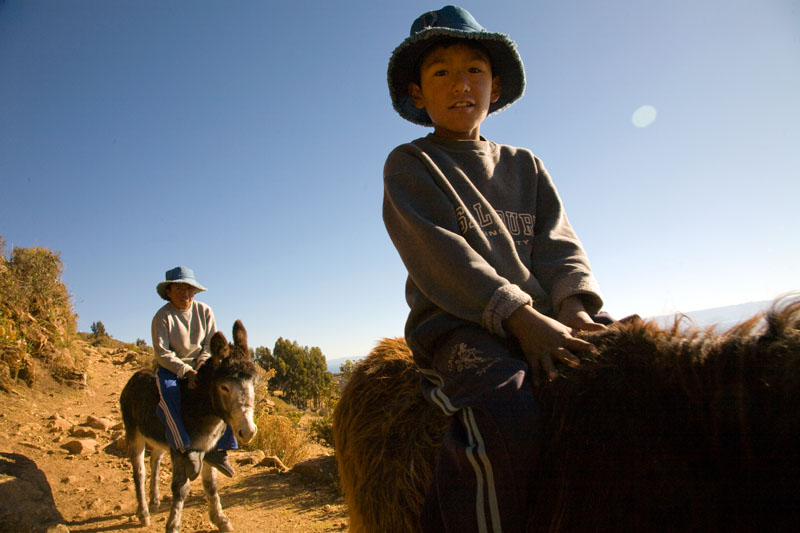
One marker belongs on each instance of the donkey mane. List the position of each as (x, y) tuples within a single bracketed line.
[(693, 427), (237, 369), (233, 367)]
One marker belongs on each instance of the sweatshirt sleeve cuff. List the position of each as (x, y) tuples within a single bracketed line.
[(503, 303), (585, 288)]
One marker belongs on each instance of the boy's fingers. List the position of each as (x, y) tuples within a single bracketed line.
[(549, 367), (539, 363), (544, 361), (567, 356), (578, 345), (591, 326)]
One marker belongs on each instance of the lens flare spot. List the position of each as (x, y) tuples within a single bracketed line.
[(644, 116)]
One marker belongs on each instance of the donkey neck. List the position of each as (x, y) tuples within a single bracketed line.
[(201, 399)]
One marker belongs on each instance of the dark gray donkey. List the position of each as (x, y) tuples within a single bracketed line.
[(224, 395)]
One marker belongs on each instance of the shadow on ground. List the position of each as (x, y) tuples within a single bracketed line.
[(26, 499)]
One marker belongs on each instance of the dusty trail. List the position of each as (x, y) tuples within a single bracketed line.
[(42, 484)]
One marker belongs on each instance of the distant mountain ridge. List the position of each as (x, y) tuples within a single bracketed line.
[(722, 317)]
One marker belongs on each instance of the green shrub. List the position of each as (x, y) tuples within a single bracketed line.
[(300, 373), (322, 429), (294, 417), (98, 329)]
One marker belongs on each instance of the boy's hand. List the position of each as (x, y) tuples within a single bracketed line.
[(573, 314), (543, 339), (191, 378)]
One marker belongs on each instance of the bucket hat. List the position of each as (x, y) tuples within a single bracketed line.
[(179, 274), (448, 23)]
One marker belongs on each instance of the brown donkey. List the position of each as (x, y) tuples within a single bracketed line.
[(224, 395), (659, 430)]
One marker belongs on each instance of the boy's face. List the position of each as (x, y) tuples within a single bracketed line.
[(181, 295), (456, 88)]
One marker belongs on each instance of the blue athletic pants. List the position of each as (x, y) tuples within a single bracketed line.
[(482, 472)]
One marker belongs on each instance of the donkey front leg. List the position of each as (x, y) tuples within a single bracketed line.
[(180, 488), (156, 455), (136, 456), (218, 517)]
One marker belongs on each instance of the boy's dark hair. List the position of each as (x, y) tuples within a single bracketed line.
[(447, 43)]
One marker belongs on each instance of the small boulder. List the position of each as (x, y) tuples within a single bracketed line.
[(319, 469), (98, 423), (83, 433), (80, 446)]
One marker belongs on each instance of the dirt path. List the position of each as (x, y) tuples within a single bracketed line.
[(42, 484)]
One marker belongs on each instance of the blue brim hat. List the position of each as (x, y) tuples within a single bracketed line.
[(179, 274), (452, 22)]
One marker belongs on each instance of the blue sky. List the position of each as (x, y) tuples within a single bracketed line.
[(246, 140)]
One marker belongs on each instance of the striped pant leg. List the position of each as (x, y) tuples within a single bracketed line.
[(169, 410), (482, 470)]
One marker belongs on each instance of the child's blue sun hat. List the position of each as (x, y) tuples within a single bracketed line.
[(179, 274), (448, 23)]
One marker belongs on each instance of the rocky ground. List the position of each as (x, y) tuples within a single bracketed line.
[(62, 467)]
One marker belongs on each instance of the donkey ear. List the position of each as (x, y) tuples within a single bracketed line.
[(219, 347), (239, 335)]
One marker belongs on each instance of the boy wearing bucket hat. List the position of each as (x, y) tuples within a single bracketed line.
[(497, 277), (182, 331)]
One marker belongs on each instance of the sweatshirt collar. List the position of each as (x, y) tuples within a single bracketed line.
[(482, 145)]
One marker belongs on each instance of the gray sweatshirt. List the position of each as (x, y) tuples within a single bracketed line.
[(481, 231), (181, 339)]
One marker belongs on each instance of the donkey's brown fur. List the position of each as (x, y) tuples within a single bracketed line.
[(660, 429), (386, 436)]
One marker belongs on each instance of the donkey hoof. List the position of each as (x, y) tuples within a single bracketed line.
[(154, 505), (144, 520), (224, 524)]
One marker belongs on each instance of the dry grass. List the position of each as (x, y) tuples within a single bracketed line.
[(278, 436), (36, 317), (277, 421)]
